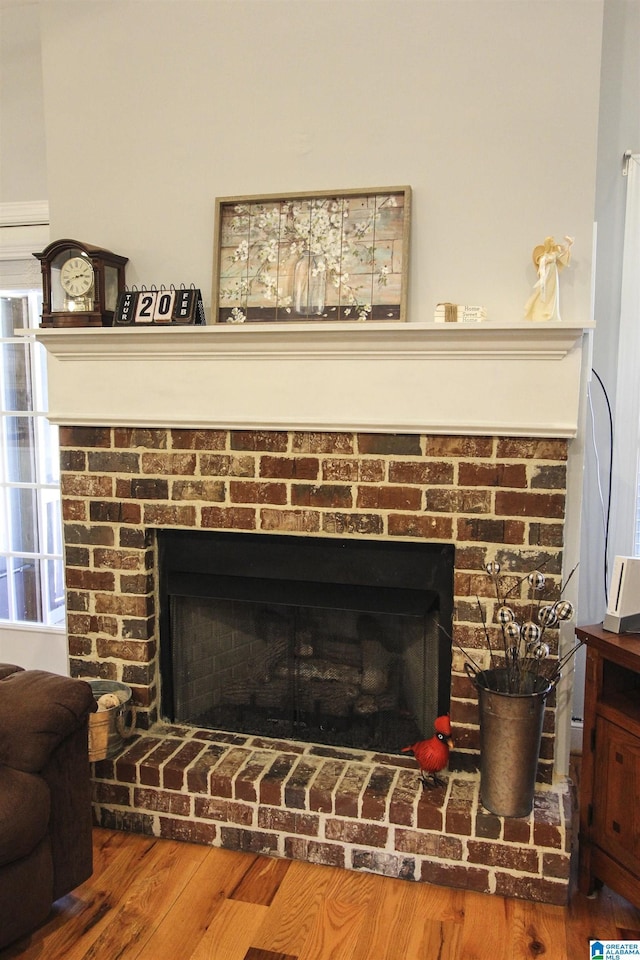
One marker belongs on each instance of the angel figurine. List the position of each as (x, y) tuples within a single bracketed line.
[(549, 258)]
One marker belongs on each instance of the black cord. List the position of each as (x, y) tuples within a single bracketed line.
[(608, 513)]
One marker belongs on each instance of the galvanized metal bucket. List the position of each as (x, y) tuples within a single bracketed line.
[(510, 733), (108, 728)]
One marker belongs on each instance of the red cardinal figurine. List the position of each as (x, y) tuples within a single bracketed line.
[(433, 754)]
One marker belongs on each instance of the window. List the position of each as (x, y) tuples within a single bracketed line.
[(31, 563)]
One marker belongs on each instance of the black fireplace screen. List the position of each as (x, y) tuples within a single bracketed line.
[(315, 639)]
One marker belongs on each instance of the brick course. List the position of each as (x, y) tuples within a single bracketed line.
[(496, 498)]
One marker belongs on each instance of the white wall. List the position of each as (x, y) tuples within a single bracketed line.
[(23, 156), (487, 109)]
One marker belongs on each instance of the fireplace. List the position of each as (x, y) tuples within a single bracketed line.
[(323, 640), (360, 432), (486, 497)]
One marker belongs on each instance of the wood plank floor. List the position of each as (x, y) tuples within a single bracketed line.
[(152, 899)]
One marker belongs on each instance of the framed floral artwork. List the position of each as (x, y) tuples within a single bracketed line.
[(312, 256)]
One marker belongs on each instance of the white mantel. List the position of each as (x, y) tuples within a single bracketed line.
[(520, 379)]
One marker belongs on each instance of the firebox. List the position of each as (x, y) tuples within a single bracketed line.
[(334, 641)]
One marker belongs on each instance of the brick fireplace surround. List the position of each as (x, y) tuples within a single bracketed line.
[(495, 498)]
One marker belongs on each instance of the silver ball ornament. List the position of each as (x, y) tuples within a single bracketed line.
[(547, 616), (564, 609), (505, 615)]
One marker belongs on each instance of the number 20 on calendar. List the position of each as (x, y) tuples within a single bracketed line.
[(155, 306)]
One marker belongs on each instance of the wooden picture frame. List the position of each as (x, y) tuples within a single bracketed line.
[(330, 255)]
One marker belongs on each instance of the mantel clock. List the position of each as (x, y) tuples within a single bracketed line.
[(80, 284)]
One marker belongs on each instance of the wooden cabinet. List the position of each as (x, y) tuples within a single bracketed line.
[(610, 777)]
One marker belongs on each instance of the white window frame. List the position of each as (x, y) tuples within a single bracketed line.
[(24, 229)]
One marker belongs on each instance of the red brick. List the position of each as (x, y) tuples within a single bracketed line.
[(531, 888), (327, 854), (221, 782), (198, 439), (288, 821), (290, 521), (377, 794), (89, 534), (385, 443), (430, 815), (113, 461), (228, 518), (492, 475), (259, 440), (220, 465), (528, 448), (458, 500), (73, 461), (356, 523), (517, 830), (161, 801), (389, 498), (425, 473), (546, 534), (118, 559), (352, 471), (295, 789), (127, 764), (90, 579), (84, 436), (490, 531), (349, 790), (86, 485), (402, 806), (169, 464), (549, 477), (189, 831), (246, 783), (248, 841), (458, 446), (122, 605), (161, 516), (505, 855), (124, 649), (113, 794), (289, 468), (322, 789), (114, 511), (206, 490), (339, 443), (428, 844), (356, 831), (549, 505), (271, 785), (74, 509), (129, 437), (452, 875), (144, 489), (199, 771), (423, 526), (322, 495), (249, 491), (150, 766), (226, 811)]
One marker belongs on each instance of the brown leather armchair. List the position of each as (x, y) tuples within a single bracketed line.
[(45, 794)]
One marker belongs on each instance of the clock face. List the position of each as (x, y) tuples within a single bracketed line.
[(76, 276)]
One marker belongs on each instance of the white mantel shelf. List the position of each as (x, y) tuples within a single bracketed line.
[(519, 379)]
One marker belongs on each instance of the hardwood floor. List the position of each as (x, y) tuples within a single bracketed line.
[(152, 899)]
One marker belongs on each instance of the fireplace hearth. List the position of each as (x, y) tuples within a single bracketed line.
[(323, 640)]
